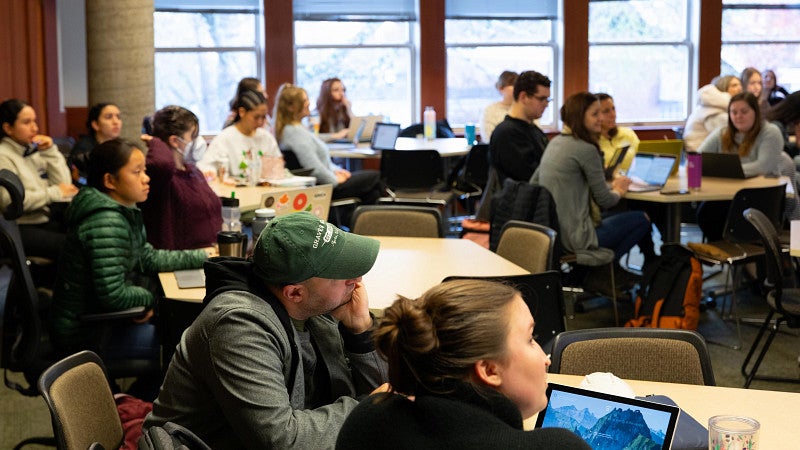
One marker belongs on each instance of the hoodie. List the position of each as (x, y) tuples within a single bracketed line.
[(710, 113)]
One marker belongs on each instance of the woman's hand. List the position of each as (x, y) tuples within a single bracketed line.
[(341, 134), (620, 184), (44, 142), (341, 175), (147, 316)]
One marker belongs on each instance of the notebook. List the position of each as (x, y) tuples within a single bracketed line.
[(385, 136), (723, 165), (316, 200), (192, 278), (650, 172), (663, 147), (607, 421)]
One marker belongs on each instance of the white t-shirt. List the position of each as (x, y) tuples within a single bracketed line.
[(226, 149)]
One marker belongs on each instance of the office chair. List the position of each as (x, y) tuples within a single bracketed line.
[(397, 220), (414, 177), (783, 302), (649, 354), (81, 404), (542, 293), (740, 242), (528, 245)]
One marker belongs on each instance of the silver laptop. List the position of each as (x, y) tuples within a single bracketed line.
[(362, 127), (315, 199), (385, 136), (649, 172)]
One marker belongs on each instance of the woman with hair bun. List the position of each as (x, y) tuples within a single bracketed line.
[(464, 371)]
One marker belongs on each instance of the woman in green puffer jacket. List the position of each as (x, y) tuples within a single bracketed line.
[(107, 264)]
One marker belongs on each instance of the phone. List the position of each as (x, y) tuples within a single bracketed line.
[(675, 192)]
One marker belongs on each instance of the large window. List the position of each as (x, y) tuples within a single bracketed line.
[(764, 35), (484, 41), (368, 45), (640, 52), (201, 54)]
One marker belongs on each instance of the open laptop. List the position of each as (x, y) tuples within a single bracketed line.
[(663, 147), (608, 421), (385, 136), (723, 165), (650, 172), (315, 199), (360, 129)]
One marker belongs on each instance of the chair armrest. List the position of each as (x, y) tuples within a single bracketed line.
[(130, 313)]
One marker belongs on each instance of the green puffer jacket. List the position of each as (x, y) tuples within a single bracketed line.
[(105, 264)]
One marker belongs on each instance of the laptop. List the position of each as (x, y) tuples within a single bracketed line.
[(663, 147), (608, 421), (360, 129), (385, 136), (650, 172), (316, 200), (723, 165)]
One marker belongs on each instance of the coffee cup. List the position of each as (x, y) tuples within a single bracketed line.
[(232, 243)]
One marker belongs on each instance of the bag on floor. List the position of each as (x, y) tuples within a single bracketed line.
[(671, 291)]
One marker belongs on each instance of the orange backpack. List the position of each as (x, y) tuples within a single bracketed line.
[(671, 291)]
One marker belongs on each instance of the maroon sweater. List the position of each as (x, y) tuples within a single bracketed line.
[(181, 212)]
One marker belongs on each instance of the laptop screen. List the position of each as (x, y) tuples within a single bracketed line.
[(607, 421), (385, 136), (651, 169)]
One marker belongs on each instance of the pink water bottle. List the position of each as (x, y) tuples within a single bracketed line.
[(694, 170)]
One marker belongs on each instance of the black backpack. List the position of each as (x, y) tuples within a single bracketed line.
[(671, 291)]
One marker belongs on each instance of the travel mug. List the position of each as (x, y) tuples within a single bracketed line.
[(230, 243), (694, 170)]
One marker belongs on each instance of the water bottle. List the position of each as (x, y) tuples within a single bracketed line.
[(694, 170), (263, 216), (231, 215), (429, 123), (254, 169)]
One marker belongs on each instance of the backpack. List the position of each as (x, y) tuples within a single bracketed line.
[(671, 291), (170, 436)]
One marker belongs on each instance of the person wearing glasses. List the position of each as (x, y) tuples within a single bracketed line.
[(517, 144), (181, 212)]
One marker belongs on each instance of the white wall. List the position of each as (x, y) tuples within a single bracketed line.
[(72, 52)]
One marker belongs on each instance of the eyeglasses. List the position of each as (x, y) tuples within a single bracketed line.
[(543, 98)]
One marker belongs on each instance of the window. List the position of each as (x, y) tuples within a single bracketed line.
[(202, 52), (640, 52), (764, 35), (368, 45), (482, 42)]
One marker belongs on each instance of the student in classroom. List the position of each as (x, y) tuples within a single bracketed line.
[(333, 109), (464, 372), (108, 265), (104, 122), (181, 212), (44, 174)]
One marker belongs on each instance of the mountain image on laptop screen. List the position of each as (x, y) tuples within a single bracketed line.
[(607, 425)]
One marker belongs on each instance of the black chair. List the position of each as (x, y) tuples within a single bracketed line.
[(414, 177), (291, 162), (741, 243), (471, 181), (649, 354), (25, 345), (783, 302), (542, 294)]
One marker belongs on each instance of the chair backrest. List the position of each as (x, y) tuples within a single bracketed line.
[(542, 293), (290, 159), (476, 167), (20, 339), (528, 245), (412, 169), (649, 354), (768, 200), (396, 220), (772, 249), (81, 404)]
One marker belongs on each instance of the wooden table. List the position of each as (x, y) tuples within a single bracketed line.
[(407, 266), (711, 189), (774, 410)]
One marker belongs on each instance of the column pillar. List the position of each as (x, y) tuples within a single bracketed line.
[(120, 65)]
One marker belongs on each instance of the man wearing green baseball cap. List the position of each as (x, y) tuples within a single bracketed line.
[(283, 345)]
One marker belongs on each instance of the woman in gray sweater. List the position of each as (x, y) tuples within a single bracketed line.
[(572, 170)]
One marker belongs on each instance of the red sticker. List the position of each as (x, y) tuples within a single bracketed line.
[(300, 201)]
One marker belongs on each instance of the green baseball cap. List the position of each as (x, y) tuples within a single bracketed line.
[(299, 246)]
